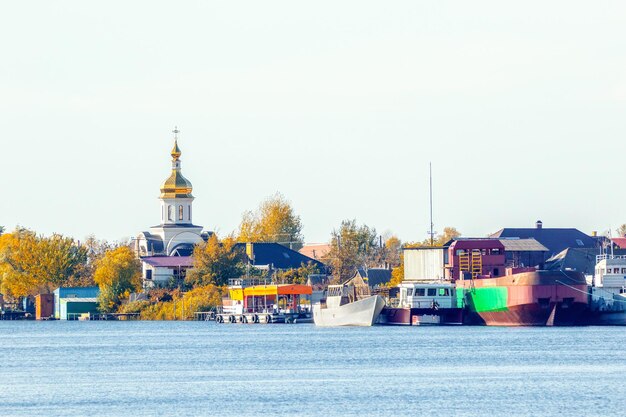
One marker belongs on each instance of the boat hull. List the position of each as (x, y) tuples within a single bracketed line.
[(538, 298), (363, 312), (420, 316)]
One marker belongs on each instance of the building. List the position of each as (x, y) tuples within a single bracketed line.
[(315, 251), (71, 302), (374, 277), (524, 252), (176, 234), (554, 239), (159, 270), (44, 306), (272, 256)]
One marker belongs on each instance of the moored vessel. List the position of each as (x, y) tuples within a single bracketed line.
[(531, 298), (348, 305), (608, 291), (424, 302), (515, 296)]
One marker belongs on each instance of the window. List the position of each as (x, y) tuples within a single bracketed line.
[(419, 292), (496, 272), (170, 212), (444, 292), (180, 212), (149, 274), (616, 270), (495, 251), (409, 292), (432, 292), (460, 252), (623, 270), (483, 252), (189, 213)]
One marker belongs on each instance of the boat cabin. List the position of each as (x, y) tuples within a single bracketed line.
[(421, 294), (609, 283)]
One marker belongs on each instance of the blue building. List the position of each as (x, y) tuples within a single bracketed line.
[(71, 302)]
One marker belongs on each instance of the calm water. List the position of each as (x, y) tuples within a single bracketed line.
[(196, 368)]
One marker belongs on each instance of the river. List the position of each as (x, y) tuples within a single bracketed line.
[(203, 368)]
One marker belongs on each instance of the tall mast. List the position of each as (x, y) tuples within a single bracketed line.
[(432, 233)]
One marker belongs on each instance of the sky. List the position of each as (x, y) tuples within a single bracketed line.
[(338, 105)]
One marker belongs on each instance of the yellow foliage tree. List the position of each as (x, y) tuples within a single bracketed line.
[(274, 221), (215, 262), (118, 273), (183, 305), (31, 264)]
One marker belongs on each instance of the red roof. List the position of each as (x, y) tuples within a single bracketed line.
[(315, 250), (620, 241)]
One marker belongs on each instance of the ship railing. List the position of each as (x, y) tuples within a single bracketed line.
[(608, 257)]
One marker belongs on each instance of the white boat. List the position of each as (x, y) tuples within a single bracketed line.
[(424, 302), (348, 305), (608, 300)]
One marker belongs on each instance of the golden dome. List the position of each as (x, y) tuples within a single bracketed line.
[(176, 150), (176, 186)]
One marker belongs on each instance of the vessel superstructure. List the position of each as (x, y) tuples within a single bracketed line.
[(608, 291)]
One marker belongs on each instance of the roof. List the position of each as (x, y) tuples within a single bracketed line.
[(315, 250), (168, 261), (281, 257), (79, 300), (523, 245), (620, 241), (581, 260), (77, 292), (374, 276), (555, 239)]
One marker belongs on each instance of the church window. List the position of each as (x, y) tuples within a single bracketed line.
[(169, 212), (189, 214), (180, 212)]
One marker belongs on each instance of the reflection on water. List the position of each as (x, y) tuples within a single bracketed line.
[(198, 368)]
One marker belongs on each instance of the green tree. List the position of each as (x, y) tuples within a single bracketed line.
[(215, 262), (117, 273), (273, 221), (352, 247)]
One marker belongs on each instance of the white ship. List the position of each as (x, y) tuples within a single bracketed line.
[(348, 305)]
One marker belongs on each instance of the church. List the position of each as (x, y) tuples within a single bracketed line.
[(165, 249)]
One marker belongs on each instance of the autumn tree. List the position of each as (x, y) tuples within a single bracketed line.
[(297, 275), (352, 247), (117, 273), (448, 234), (215, 262), (31, 264), (273, 221), (621, 231)]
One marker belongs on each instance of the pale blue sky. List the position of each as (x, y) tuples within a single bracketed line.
[(339, 105)]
